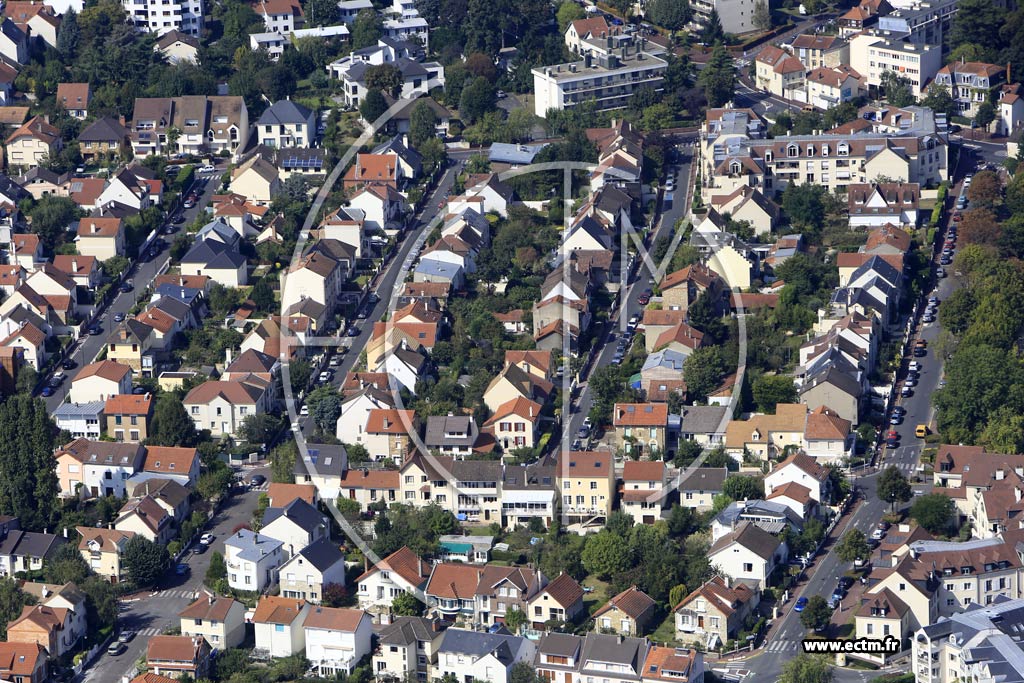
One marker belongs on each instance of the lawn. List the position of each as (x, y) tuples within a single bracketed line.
[(597, 597), (665, 634)]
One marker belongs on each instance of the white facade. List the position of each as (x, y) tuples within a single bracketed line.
[(872, 54), (332, 651), (163, 16), (609, 80), (283, 640), (252, 561)]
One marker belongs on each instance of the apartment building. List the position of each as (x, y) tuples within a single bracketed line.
[(872, 53), (979, 644), (205, 125), (609, 78), (920, 22), (971, 83), (164, 16), (586, 482), (736, 16)]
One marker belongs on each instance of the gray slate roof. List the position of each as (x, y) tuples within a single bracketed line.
[(285, 112), (322, 554)]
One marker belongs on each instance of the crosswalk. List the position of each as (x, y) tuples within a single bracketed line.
[(190, 594), (782, 646), (149, 632)]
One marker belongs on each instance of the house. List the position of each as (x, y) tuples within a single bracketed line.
[(45, 626), (256, 180), (222, 263), (34, 141), (220, 620), (28, 250), (296, 526), (451, 589), (74, 99), (643, 490), (748, 554), (178, 655), (286, 123), (801, 469), (99, 381), (388, 433), (408, 647), (778, 72), (699, 486), (322, 466), (279, 494), (168, 494), (502, 590), (145, 517), (586, 482), (179, 464), (252, 560), (222, 406), (627, 614), (102, 238), (310, 570), (280, 16), (451, 435), (883, 614), (128, 416), (748, 204), (279, 625), (472, 655), (773, 516), (816, 50), (704, 424), (528, 493), (337, 639), (129, 188), (513, 383), (971, 83), (400, 572), (878, 205), (97, 468), (828, 86), (679, 290), (41, 182), (418, 78), (464, 548), (560, 601), (640, 427), (716, 612), (764, 436), (81, 419), (24, 662), (102, 550), (67, 597), (84, 271), (672, 664), (176, 47), (515, 424)]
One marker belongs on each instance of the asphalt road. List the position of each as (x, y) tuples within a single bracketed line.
[(787, 633), (142, 274), (149, 614), (637, 282)]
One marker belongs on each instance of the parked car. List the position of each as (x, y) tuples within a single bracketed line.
[(181, 570), (198, 549), (584, 432), (206, 539), (352, 331), (800, 604), (126, 287), (899, 410), (119, 317), (258, 480), (69, 364), (116, 648), (126, 636), (940, 272), (95, 330), (207, 168), (189, 203), (47, 391), (334, 362), (878, 534), (643, 300), (304, 411)]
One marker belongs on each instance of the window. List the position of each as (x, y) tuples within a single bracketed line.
[(748, 567), (871, 629), (593, 486), (279, 628)]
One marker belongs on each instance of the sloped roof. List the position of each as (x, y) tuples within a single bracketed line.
[(632, 602)]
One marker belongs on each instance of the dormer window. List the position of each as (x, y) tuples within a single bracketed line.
[(824, 150), (843, 149), (810, 150), (793, 151), (734, 168), (768, 157)]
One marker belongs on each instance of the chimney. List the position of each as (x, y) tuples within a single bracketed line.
[(227, 354), (74, 265), (256, 538), (211, 599), (65, 532)]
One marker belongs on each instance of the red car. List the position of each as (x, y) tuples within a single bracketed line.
[(892, 434), (956, 218), (643, 299)]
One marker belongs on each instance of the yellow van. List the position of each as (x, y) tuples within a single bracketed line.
[(921, 431)]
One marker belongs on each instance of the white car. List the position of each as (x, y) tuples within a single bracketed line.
[(914, 366), (206, 539), (207, 168), (878, 534), (304, 411)]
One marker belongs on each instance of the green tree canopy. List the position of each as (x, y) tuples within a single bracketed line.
[(605, 554), (478, 98), (171, 425), (703, 371), (28, 479), (816, 614), (670, 14), (373, 105), (935, 512), (718, 76), (423, 120), (805, 668), (144, 560), (366, 29), (893, 487), (325, 408), (852, 546), (406, 605), (12, 599), (770, 390), (743, 487)]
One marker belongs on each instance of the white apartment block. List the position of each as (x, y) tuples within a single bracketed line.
[(921, 23), (609, 79), (872, 53), (163, 16), (981, 644), (737, 16)]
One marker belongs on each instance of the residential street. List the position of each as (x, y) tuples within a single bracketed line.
[(142, 273), (150, 613)]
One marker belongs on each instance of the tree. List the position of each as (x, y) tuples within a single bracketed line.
[(687, 452), (816, 614), (101, 602), (171, 425), (262, 294), (713, 33), (523, 672), (762, 16), (366, 29), (325, 408), (893, 487), (12, 599), (144, 560), (423, 120), (567, 13), (897, 89), (321, 12), (771, 390), (335, 595), (703, 371), (806, 668), (605, 554), (939, 100), (217, 570), (282, 463), (935, 512), (853, 545), (1004, 432), (384, 77), (214, 484), (66, 565), (718, 76), (979, 226), (986, 189), (299, 372), (957, 312), (742, 487), (406, 605), (28, 480), (515, 619), (373, 105), (670, 14), (478, 98), (805, 206), (260, 428), (50, 218), (978, 25), (68, 35)]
